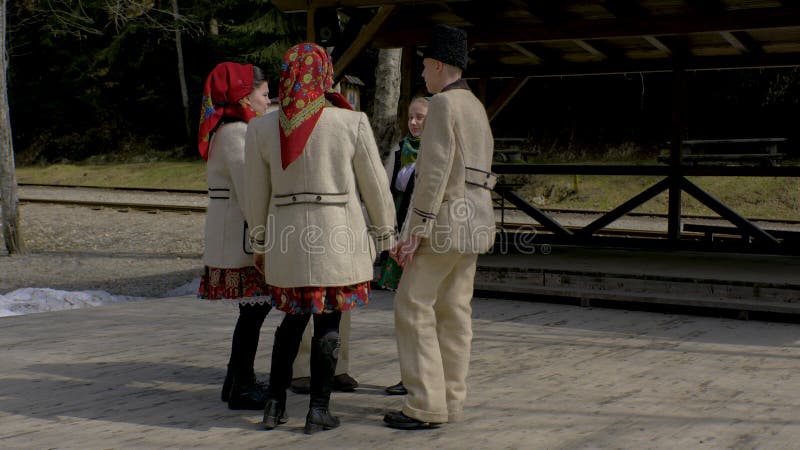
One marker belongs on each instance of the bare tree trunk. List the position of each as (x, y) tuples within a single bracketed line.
[(181, 71), (8, 179), (387, 95)]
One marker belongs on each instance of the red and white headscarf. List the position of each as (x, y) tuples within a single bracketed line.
[(228, 83), (306, 82)]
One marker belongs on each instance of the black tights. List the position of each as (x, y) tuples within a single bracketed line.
[(245, 339), (287, 341), (324, 324)]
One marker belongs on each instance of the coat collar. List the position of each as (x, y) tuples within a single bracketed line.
[(458, 84)]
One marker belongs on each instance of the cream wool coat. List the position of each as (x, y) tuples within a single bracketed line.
[(451, 208), (225, 234), (308, 217)]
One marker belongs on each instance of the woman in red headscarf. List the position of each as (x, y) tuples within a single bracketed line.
[(309, 167), (233, 95)]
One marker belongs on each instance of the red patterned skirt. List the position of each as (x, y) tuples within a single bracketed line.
[(318, 300), (245, 284)]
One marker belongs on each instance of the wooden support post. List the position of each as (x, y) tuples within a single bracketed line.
[(406, 82), (362, 41), (310, 32), (678, 114)]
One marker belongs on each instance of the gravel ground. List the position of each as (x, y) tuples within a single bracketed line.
[(122, 252)]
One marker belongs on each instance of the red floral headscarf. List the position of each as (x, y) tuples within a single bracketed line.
[(306, 82), (227, 84)]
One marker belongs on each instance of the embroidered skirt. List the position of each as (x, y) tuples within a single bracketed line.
[(319, 300), (244, 284)]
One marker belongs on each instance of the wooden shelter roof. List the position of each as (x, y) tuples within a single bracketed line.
[(524, 38)]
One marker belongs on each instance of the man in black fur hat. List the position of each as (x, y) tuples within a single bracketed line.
[(450, 222)]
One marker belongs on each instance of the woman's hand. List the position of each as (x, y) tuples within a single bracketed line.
[(258, 262), (404, 251)]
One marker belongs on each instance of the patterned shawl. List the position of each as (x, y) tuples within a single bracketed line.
[(227, 84), (306, 82)]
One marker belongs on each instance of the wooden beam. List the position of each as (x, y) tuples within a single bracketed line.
[(726, 213), (543, 54), (523, 205), (500, 32), (744, 61), (524, 51), (742, 41), (734, 41), (362, 41), (655, 42), (506, 94), (589, 48), (623, 209), (611, 52)]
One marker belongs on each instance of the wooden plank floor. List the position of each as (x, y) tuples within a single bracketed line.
[(147, 375)]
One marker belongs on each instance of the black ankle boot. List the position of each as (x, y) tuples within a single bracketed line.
[(324, 354), (274, 412), (246, 394), (320, 418)]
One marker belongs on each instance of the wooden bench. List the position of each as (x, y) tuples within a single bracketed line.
[(509, 149), (763, 151)]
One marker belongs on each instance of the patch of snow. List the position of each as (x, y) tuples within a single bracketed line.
[(34, 300)]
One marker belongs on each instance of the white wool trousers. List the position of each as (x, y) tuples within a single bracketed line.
[(433, 322)]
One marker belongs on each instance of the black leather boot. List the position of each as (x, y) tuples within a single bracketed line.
[(226, 385), (275, 410), (324, 354), (280, 376), (245, 393)]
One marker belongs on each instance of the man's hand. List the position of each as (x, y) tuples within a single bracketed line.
[(404, 251), (258, 261)]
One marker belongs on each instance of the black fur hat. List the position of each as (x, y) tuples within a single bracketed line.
[(448, 45)]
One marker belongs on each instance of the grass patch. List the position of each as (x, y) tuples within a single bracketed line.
[(162, 174), (753, 197)]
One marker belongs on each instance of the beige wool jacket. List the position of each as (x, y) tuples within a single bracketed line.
[(308, 218), (225, 232), (451, 208)]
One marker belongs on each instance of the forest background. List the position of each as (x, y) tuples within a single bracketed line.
[(99, 79)]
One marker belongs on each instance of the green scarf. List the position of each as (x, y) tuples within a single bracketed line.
[(408, 150)]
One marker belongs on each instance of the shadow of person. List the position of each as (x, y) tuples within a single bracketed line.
[(156, 394)]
